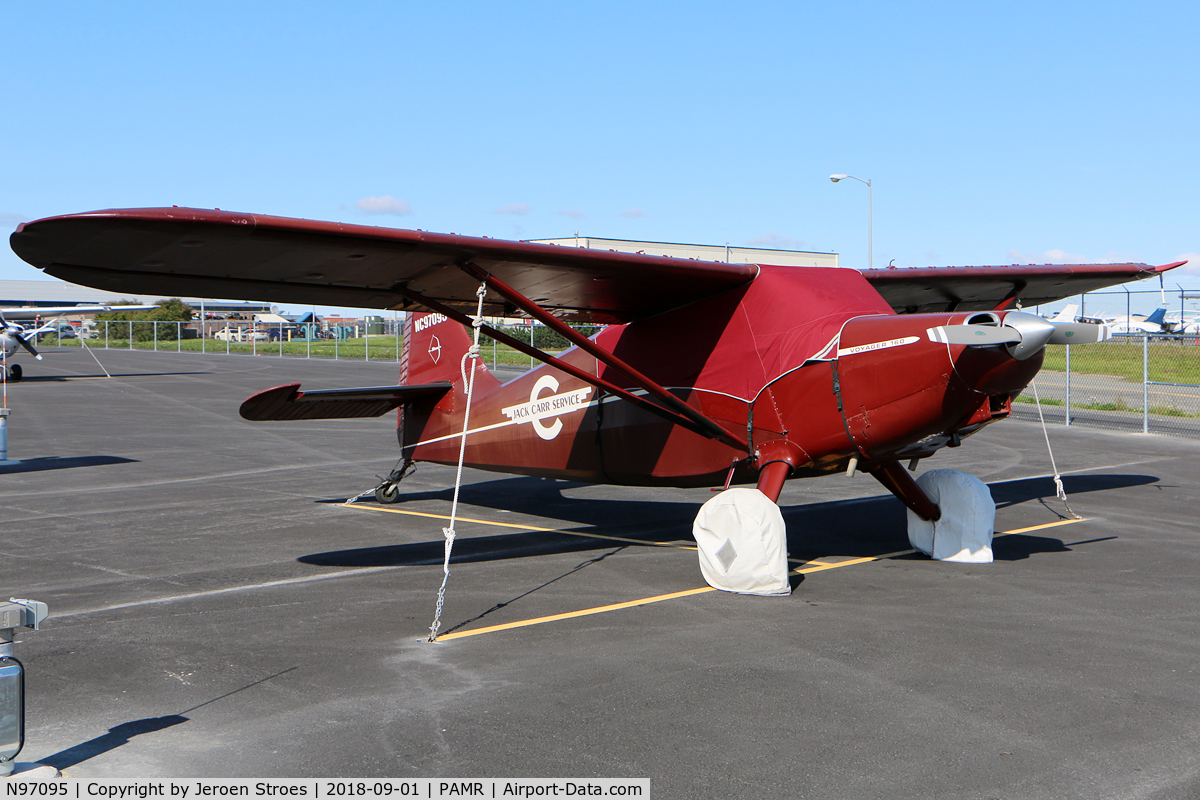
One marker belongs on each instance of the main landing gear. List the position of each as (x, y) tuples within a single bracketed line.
[(14, 373), (388, 491)]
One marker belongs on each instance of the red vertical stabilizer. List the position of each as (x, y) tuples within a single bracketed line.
[(433, 351)]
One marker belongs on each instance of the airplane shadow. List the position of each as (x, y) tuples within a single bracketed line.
[(850, 528), (61, 462)]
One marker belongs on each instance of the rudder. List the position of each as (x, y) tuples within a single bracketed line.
[(433, 349)]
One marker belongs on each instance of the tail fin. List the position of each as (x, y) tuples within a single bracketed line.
[(1157, 317), (433, 349), (1067, 314)]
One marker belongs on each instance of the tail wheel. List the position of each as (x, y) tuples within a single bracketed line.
[(388, 493)]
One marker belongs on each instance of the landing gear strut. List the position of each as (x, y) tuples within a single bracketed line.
[(388, 491)]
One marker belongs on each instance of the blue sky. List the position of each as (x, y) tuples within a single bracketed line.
[(993, 133)]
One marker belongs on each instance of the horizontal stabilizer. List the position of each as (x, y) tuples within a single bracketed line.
[(288, 402)]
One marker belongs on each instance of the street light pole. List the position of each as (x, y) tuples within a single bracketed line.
[(870, 254)]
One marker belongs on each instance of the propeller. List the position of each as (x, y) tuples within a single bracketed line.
[(1024, 334), (1079, 333), (975, 335), (17, 332)]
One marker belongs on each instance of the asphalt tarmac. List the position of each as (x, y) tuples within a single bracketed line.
[(216, 612)]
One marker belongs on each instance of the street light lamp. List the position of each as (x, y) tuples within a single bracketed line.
[(842, 176)]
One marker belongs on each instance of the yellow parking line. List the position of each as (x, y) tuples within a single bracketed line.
[(571, 614), (643, 542), (816, 567)]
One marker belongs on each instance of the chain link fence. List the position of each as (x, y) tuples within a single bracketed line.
[(344, 342), (1148, 384)]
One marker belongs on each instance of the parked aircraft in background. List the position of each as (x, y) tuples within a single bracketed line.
[(13, 336), (708, 374), (1067, 314), (1186, 323), (1135, 325)]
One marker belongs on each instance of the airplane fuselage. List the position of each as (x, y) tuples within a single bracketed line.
[(812, 378)]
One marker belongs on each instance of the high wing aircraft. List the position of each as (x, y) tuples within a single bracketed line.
[(1137, 326), (1067, 314), (13, 336), (708, 374)]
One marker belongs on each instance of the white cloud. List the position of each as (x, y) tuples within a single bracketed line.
[(1190, 269), (1049, 257), (384, 205), (1062, 257), (633, 213), (775, 241), (573, 213), (517, 209)]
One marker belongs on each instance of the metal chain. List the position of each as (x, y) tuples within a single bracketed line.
[(448, 532), (382, 481)]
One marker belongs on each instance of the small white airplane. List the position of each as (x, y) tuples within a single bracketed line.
[(1067, 314), (1133, 325), (1186, 323), (13, 335)]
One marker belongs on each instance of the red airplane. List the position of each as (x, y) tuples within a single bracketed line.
[(708, 374)]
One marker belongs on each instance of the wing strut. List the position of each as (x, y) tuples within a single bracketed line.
[(705, 425), (570, 369), (1018, 287)]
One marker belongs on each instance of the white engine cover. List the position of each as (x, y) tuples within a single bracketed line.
[(743, 543), (964, 531)]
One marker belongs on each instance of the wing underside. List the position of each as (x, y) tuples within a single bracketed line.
[(922, 290), (196, 253), (200, 253)]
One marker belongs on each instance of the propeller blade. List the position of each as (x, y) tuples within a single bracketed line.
[(25, 343), (1079, 333), (974, 335)]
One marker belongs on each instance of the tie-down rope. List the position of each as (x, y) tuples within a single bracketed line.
[(1058, 484), (448, 532)]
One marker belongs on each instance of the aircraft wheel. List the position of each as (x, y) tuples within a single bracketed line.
[(14, 373), (388, 493)]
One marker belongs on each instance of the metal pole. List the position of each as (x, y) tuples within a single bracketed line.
[(366, 343), (1146, 383), (178, 336), (130, 334), (4, 412), (396, 330), (870, 244), (105, 334), (1068, 406), (155, 336)]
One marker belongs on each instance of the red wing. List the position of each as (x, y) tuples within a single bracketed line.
[(921, 290), (288, 402), (197, 253)]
